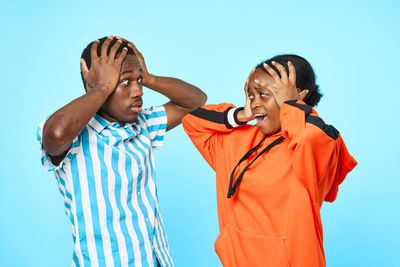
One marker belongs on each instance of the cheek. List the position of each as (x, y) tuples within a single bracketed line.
[(273, 111), (270, 104), (114, 100)]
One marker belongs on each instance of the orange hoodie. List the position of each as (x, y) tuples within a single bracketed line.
[(273, 217)]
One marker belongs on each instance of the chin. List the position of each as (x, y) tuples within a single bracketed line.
[(132, 118), (268, 130)]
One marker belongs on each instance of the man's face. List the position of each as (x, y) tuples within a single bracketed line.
[(263, 104), (124, 104)]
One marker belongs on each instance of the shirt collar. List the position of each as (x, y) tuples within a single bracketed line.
[(98, 123)]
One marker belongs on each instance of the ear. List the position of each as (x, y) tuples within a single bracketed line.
[(303, 94)]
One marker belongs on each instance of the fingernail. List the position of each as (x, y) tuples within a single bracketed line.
[(273, 62), (256, 81)]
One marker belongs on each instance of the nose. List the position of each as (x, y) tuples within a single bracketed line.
[(136, 90), (255, 103)]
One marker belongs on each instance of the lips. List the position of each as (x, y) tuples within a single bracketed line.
[(136, 107), (260, 117)]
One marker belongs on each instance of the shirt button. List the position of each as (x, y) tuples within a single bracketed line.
[(147, 219)]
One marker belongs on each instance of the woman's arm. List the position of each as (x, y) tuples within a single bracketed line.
[(320, 158)]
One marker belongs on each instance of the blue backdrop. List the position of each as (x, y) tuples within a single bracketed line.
[(352, 45)]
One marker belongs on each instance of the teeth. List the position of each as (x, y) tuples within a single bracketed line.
[(259, 115)]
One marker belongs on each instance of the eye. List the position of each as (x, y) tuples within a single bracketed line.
[(251, 97), (125, 82), (264, 95), (139, 80)]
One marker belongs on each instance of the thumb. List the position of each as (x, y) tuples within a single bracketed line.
[(303, 94), (84, 68)]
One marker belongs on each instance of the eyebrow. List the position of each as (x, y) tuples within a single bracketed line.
[(260, 90), (128, 71), (256, 88)]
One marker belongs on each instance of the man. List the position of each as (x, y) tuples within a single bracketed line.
[(100, 148)]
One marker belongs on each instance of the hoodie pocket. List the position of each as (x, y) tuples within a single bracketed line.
[(236, 248)]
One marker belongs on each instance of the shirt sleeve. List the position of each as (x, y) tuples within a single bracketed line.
[(45, 157), (204, 124), (320, 157), (156, 124)]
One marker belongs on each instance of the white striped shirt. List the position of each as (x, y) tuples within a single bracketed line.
[(108, 184)]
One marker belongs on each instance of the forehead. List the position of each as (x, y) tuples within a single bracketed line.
[(131, 64), (260, 75)]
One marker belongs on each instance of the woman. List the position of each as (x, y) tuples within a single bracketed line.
[(273, 177)]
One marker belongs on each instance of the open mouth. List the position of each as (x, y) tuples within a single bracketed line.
[(260, 117), (137, 108)]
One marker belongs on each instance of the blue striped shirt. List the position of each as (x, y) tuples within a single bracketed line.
[(108, 184)]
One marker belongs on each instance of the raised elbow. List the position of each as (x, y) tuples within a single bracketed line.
[(55, 140), (202, 99), (199, 101)]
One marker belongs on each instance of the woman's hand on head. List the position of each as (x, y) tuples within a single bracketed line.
[(246, 114), (284, 88)]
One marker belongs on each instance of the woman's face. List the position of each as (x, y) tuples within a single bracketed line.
[(263, 104)]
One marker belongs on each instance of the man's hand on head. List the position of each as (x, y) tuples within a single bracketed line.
[(146, 80), (105, 69)]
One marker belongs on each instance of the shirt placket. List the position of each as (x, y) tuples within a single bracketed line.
[(133, 132)]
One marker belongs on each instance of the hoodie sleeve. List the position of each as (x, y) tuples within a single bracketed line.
[(205, 124), (320, 157)]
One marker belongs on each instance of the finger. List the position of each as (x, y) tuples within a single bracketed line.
[(84, 68), (248, 78), (292, 73), (272, 72), (272, 89), (115, 48), (104, 47), (93, 50), (263, 84), (135, 50), (303, 94), (139, 56), (282, 71), (122, 56), (120, 38)]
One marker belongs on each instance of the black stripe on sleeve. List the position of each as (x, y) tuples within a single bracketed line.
[(235, 116), (328, 129), (307, 109), (211, 115)]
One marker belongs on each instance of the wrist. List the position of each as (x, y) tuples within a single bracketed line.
[(149, 80), (242, 117), (232, 117), (103, 92), (107, 89)]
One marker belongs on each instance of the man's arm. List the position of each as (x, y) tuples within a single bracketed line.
[(183, 96), (67, 122)]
